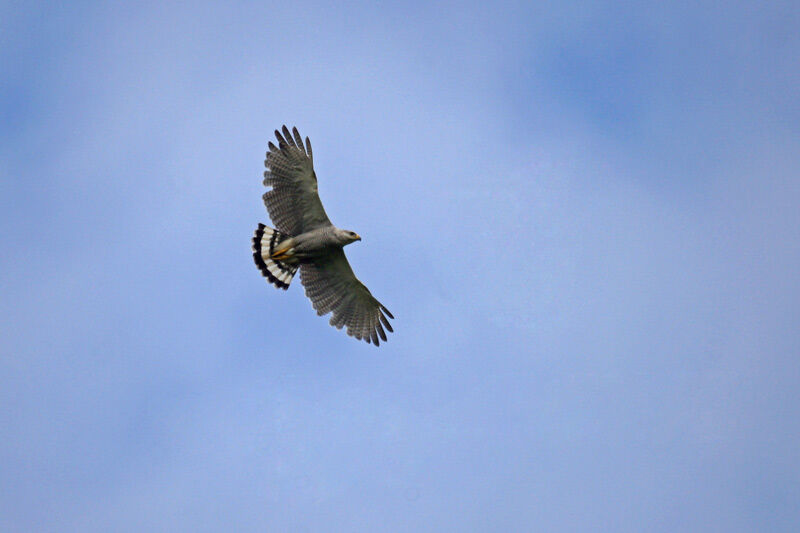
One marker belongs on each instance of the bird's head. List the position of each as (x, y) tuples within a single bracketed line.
[(348, 236)]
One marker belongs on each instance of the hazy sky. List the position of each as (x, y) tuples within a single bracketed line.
[(584, 218)]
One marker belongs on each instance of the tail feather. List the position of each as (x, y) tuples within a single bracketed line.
[(265, 241)]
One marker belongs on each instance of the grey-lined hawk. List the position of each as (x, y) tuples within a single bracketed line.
[(304, 238)]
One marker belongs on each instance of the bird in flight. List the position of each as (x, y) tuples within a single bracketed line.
[(305, 238)]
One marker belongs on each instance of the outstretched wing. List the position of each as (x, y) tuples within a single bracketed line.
[(332, 286), (293, 203)]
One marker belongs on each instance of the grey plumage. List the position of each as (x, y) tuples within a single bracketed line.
[(305, 238)]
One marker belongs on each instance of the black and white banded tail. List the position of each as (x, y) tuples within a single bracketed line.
[(265, 241)]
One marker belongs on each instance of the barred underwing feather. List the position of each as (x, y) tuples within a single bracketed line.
[(280, 138), (385, 321), (293, 202), (288, 136), (298, 141), (332, 287)]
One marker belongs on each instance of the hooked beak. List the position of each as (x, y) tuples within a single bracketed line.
[(358, 237)]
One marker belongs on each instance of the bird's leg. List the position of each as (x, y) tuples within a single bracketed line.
[(283, 251)]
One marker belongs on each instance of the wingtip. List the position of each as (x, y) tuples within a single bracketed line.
[(381, 332), (287, 135), (281, 141), (386, 323)]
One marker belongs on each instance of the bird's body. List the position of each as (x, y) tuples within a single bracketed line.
[(311, 245), (306, 239)]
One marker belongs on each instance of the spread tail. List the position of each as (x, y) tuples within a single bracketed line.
[(265, 241)]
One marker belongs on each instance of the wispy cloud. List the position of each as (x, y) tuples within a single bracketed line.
[(583, 217)]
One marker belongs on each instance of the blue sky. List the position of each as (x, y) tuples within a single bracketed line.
[(584, 217)]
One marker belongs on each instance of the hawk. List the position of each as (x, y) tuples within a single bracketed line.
[(304, 238)]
